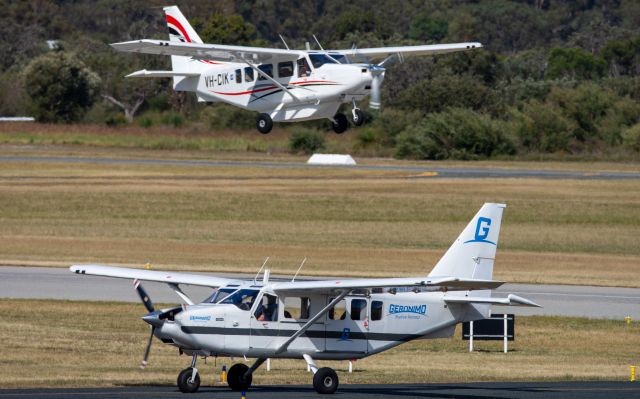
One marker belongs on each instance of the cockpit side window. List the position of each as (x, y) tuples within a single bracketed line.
[(243, 299), (318, 60), (303, 68), (267, 309)]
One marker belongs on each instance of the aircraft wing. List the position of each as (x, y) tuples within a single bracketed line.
[(406, 51), (332, 286), (151, 275), (214, 52)]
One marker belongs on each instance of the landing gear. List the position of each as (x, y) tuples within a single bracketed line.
[(325, 381), (188, 379), (187, 383), (339, 123), (237, 377), (264, 123), (357, 116)]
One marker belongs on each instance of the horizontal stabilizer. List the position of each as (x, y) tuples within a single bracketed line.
[(510, 300), (161, 74)]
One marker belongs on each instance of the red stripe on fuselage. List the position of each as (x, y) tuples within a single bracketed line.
[(178, 25), (270, 88)]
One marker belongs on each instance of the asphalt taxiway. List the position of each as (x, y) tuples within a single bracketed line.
[(502, 390), (415, 171), (60, 283)]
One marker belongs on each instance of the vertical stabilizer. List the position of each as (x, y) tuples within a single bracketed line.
[(472, 254), (181, 31)]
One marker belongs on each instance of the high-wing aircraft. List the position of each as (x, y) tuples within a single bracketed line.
[(283, 85), (323, 319)]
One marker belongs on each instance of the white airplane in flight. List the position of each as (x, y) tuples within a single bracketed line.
[(283, 85), (325, 319)]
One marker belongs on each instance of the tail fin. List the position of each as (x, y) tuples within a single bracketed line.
[(181, 31), (179, 28), (472, 254)]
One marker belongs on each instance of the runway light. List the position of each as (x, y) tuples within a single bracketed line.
[(627, 320), (147, 266), (244, 396), (633, 373), (223, 374)]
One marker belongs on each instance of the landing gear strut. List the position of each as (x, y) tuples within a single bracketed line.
[(188, 379), (339, 123), (357, 116)]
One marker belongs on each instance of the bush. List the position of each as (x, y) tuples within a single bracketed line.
[(542, 127), (224, 116), (456, 133), (575, 63), (306, 141), (631, 137)]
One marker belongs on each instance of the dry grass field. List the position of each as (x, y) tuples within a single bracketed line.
[(101, 344), (346, 222)]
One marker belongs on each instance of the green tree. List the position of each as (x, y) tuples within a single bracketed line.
[(61, 87), (228, 29), (424, 27), (575, 63)]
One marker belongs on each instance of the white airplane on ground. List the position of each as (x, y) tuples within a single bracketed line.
[(327, 319), (283, 85)]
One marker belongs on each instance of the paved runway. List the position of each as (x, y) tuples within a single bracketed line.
[(429, 171), (557, 300), (524, 390)]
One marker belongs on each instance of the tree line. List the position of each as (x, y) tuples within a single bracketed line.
[(555, 77)]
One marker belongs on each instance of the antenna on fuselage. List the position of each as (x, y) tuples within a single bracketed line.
[(307, 46), (317, 41), (261, 267), (298, 271), (283, 41)]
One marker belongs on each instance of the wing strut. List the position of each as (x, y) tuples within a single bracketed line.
[(308, 324), (180, 293)]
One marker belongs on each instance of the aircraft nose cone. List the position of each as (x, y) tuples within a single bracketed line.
[(153, 319)]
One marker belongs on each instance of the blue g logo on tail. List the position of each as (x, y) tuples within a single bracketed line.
[(482, 231)]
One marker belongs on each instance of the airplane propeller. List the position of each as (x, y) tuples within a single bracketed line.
[(146, 301)]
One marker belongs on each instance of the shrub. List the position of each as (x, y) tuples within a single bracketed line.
[(456, 133), (542, 127), (631, 137), (306, 141)]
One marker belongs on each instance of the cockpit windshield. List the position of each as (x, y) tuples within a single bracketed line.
[(318, 60), (243, 299), (341, 58), (219, 295)]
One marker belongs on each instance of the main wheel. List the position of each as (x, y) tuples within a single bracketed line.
[(264, 123), (185, 384), (341, 123), (358, 117), (325, 381), (235, 377)]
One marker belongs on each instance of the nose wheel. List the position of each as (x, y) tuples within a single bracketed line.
[(189, 380)]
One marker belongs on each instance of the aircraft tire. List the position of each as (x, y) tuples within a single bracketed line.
[(325, 381), (341, 123), (235, 377), (185, 385), (264, 123), (358, 119)]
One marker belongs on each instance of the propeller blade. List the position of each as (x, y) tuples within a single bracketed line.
[(374, 103), (146, 301), (144, 362)]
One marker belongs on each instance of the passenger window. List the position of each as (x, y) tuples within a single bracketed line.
[(339, 311), (303, 68), (238, 75), (285, 69), (248, 74), (376, 310), (267, 309), (358, 309), (266, 68), (297, 308)]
